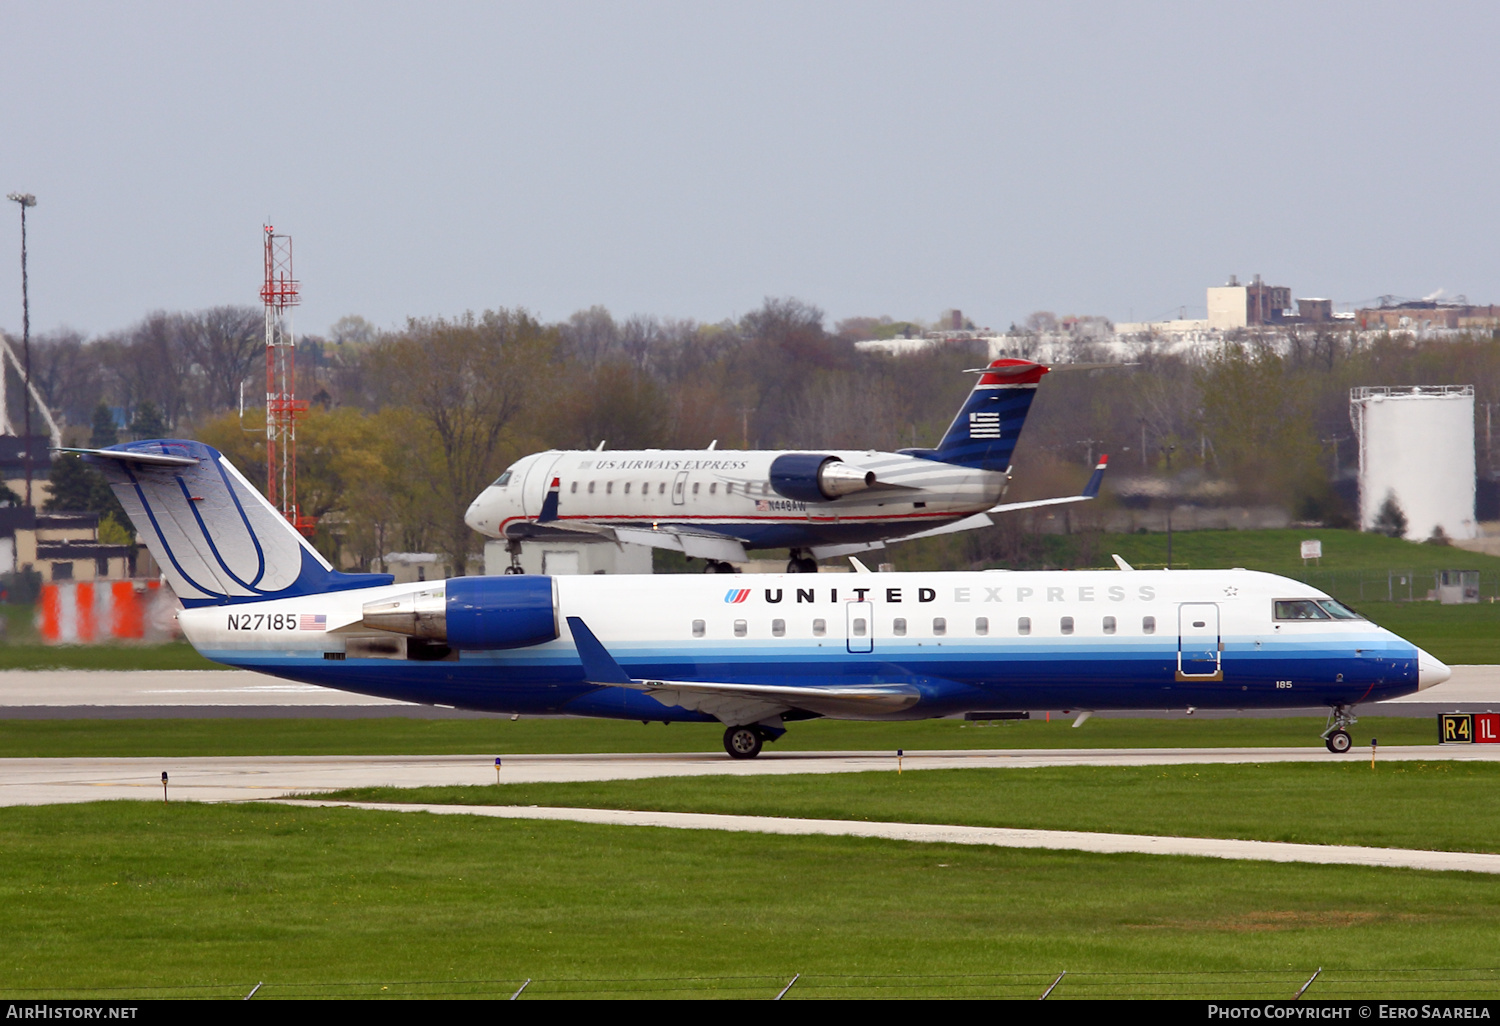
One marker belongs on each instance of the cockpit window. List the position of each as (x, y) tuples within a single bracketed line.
[(502, 480), (1338, 610), (1299, 609)]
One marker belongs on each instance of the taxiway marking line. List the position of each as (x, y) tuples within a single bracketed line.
[(1001, 837)]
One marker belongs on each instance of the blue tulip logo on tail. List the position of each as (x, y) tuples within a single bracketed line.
[(216, 538)]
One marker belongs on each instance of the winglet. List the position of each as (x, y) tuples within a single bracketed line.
[(599, 667), (859, 567), (549, 504), (1120, 562), (1092, 488)]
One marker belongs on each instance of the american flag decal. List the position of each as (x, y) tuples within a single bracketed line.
[(984, 425), (313, 622), (762, 506)]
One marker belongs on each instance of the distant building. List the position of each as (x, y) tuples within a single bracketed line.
[(60, 546), (1426, 314), (13, 465), (1248, 306)]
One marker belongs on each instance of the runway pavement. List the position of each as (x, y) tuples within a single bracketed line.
[(35, 781), (109, 694)]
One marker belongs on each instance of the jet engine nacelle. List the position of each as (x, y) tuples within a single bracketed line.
[(472, 612), (812, 477)]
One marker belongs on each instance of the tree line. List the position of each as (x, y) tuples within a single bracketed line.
[(408, 425)]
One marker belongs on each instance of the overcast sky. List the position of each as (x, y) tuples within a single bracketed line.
[(689, 159)]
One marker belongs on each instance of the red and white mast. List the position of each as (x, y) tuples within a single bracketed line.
[(283, 408)]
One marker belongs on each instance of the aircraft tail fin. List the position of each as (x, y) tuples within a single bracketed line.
[(216, 538), (984, 433)]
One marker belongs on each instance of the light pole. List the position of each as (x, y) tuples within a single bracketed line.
[(25, 199), (1168, 450)]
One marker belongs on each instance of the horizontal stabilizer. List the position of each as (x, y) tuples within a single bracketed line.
[(145, 459)]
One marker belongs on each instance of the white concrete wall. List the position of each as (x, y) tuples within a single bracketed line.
[(570, 557)]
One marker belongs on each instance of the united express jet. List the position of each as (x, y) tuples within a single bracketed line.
[(716, 505), (889, 646)]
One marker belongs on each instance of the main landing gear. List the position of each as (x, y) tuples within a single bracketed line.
[(802, 562), (1337, 736), (718, 566), (745, 742)]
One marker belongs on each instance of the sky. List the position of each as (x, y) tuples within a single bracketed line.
[(688, 160)]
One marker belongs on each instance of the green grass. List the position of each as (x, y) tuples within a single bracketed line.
[(399, 736), (177, 655), (1429, 805), (133, 899)]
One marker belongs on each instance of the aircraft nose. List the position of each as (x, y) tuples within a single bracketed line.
[(1430, 670), (475, 517)]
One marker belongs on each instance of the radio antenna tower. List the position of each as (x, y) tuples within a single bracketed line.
[(283, 408)]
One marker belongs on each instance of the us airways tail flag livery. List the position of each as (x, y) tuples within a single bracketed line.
[(755, 658), (715, 504)]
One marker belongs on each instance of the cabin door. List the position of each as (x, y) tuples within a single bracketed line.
[(861, 626), (538, 480), (1198, 642), (679, 488)]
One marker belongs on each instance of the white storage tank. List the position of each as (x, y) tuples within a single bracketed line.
[(1416, 443)]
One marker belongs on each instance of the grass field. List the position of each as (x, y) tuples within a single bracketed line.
[(133, 899), (1430, 805), (502, 736)]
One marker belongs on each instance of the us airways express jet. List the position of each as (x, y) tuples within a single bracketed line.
[(683, 647), (715, 505)]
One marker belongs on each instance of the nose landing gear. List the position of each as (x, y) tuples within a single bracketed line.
[(514, 548), (1336, 737)]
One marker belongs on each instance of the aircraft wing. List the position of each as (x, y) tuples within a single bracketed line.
[(972, 523), (1090, 491), (702, 544), (741, 703)]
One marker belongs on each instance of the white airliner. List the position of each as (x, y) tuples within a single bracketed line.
[(715, 505), (677, 647)]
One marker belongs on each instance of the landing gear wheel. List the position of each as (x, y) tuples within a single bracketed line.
[(717, 566), (1338, 742), (513, 570), (801, 562), (743, 742)]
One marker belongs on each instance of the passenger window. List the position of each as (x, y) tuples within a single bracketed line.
[(765, 489), (1148, 625), (713, 488), (898, 627), (859, 627), (981, 625), (661, 489), (1109, 625), (778, 628), (739, 628), (627, 487), (820, 628), (729, 488), (695, 487), (591, 488), (573, 488), (697, 628), (1023, 625), (1067, 625), (939, 625), (609, 488)]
